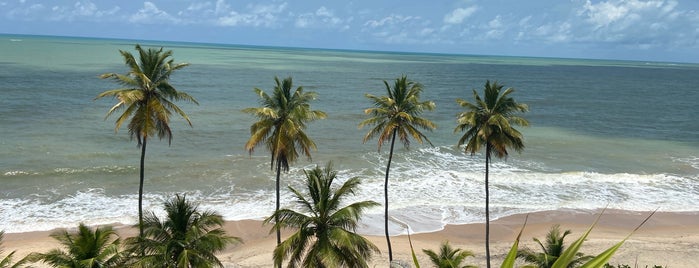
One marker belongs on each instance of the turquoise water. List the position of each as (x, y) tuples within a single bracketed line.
[(616, 133)]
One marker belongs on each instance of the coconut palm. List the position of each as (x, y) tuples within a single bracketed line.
[(85, 249), (146, 98), (397, 114), (325, 235), (551, 250), (6, 262), (186, 237), (448, 257), (282, 121), (489, 122)]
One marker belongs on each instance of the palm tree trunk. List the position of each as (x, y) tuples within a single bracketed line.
[(385, 194), (140, 196), (140, 188), (487, 207), (276, 211)]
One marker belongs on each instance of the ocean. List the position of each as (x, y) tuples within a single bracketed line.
[(617, 134)]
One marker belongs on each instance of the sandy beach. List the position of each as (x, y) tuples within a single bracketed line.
[(668, 239)]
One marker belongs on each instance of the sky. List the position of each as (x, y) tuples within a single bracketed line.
[(644, 30)]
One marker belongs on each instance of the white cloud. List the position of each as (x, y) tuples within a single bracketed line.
[(151, 14), (458, 15), (389, 21), (321, 18), (258, 15)]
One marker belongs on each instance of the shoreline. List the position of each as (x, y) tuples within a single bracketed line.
[(670, 239)]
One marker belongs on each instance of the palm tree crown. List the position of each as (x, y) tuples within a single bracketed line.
[(397, 114), (282, 120), (489, 122), (185, 238), (85, 249), (146, 96), (398, 111), (448, 257), (325, 236)]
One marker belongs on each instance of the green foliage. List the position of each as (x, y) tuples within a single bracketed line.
[(448, 257), (512, 254), (186, 237), (6, 262), (325, 229), (551, 249), (85, 249)]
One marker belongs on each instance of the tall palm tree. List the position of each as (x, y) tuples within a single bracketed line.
[(281, 125), (6, 262), (489, 122), (325, 236), (185, 238), (397, 114), (551, 250), (449, 257), (146, 96), (85, 249)]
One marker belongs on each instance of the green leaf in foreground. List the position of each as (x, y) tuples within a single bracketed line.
[(509, 261)]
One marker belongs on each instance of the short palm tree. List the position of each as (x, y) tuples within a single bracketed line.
[(325, 236), (551, 250), (281, 126), (85, 249), (185, 238), (6, 262), (146, 98), (448, 257), (397, 114), (489, 123)]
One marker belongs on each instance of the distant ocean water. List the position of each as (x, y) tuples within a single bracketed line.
[(620, 134)]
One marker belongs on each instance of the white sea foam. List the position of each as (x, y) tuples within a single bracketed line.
[(428, 188)]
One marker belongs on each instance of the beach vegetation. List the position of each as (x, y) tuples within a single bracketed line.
[(325, 229), (84, 248), (186, 237), (397, 114), (282, 120), (551, 249), (489, 122), (448, 257), (6, 262), (146, 98)]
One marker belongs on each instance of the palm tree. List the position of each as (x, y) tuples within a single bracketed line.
[(552, 249), (86, 249), (397, 114), (325, 236), (146, 96), (6, 262), (282, 121), (448, 257), (185, 238), (489, 122)]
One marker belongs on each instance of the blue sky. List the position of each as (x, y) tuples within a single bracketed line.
[(647, 30)]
